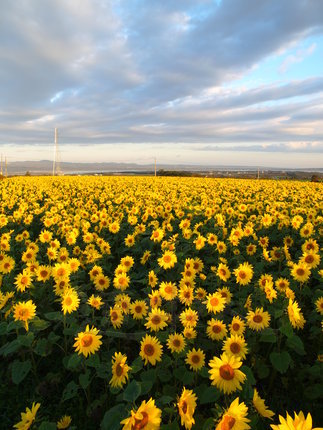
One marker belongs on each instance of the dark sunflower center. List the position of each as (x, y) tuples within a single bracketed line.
[(226, 372), (149, 349)]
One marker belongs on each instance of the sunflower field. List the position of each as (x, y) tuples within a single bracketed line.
[(160, 303)]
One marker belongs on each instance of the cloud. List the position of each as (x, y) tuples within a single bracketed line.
[(290, 147), (298, 57), (156, 72)]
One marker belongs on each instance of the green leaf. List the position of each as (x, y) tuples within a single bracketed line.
[(136, 365), (74, 361), (112, 418), (20, 370), (148, 375), (280, 361), (3, 328), (268, 335), (165, 400), (287, 330), (54, 316), (42, 348), (39, 324), (314, 391), (132, 392), (9, 348), (146, 387), (93, 361), (70, 391), (262, 370), (46, 425), (26, 339), (84, 379), (164, 375), (184, 375), (209, 424), (13, 325), (172, 426), (250, 376), (295, 343), (209, 395)]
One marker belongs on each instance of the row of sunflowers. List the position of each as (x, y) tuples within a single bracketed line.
[(160, 303)]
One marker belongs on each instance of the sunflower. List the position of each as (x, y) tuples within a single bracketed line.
[(216, 329), (295, 315), (88, 341), (70, 301), (243, 274), (28, 417), (189, 333), (150, 349), (215, 303), (319, 305), (138, 309), (176, 342), (195, 359), (167, 260), (186, 407), (260, 406), (95, 301), (235, 345), (221, 247), (64, 422), (157, 235), (201, 293), (145, 257), (237, 326), (23, 280), (7, 264), (189, 318), (95, 271), (43, 273), (24, 311), (74, 264), (101, 282), (311, 259), (116, 316), (152, 279), (155, 299), (168, 290), (258, 319), (121, 281), (127, 262), (198, 265), (186, 295), (226, 294), (225, 373), (281, 284), (301, 272), (119, 370), (146, 417), (298, 423), (156, 320), (61, 271), (235, 417), (310, 245), (123, 301)]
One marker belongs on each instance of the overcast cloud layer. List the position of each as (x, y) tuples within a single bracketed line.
[(205, 76)]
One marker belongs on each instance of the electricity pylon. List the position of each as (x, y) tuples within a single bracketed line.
[(56, 161)]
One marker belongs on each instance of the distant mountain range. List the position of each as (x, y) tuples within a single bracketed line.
[(46, 167)]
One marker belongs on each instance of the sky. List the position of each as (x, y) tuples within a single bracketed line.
[(211, 82)]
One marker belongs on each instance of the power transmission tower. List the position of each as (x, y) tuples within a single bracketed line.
[(1, 173), (5, 167), (56, 161), (155, 166)]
